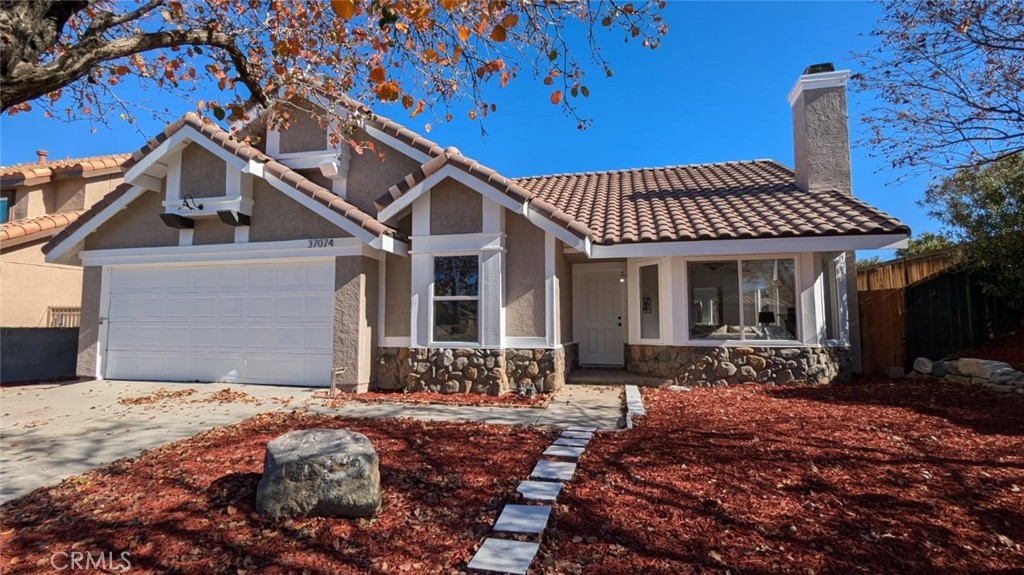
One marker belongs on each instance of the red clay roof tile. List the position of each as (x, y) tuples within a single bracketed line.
[(242, 150), (33, 226), (18, 174)]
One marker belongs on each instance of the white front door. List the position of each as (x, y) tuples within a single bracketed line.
[(255, 322), (600, 316)]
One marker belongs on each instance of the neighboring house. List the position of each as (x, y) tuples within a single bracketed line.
[(38, 200), (290, 260)]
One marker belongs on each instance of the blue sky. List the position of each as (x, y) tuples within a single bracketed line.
[(715, 90)]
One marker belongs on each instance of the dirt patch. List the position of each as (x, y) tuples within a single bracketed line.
[(188, 506), (540, 400), (1008, 348), (867, 477)]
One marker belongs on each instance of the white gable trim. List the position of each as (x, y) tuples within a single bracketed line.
[(400, 205), (751, 246), (393, 142), (91, 225), (183, 137)]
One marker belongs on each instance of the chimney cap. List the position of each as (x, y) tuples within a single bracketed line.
[(819, 68), (42, 156)]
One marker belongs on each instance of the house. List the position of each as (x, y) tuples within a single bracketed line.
[(291, 260), (38, 200)]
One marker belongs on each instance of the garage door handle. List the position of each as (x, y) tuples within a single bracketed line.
[(102, 319)]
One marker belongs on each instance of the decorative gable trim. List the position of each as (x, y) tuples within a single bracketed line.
[(119, 199)]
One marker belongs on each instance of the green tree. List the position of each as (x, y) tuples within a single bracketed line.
[(864, 263), (984, 210), (924, 242)]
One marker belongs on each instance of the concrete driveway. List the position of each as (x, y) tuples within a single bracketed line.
[(49, 432)]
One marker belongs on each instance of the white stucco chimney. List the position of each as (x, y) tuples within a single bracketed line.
[(821, 134)]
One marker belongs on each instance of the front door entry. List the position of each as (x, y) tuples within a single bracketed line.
[(601, 319)]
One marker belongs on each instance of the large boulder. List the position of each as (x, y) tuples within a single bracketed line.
[(983, 368), (321, 473), (923, 365)]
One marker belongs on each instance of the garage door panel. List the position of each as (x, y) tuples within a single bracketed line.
[(256, 322)]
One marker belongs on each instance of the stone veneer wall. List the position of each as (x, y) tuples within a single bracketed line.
[(712, 366), (466, 370)]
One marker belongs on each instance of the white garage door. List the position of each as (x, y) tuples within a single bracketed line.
[(249, 323)]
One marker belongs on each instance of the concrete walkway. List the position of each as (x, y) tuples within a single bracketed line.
[(49, 432)]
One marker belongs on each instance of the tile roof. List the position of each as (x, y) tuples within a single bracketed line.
[(28, 227), (18, 174), (733, 200), (452, 157), (225, 140)]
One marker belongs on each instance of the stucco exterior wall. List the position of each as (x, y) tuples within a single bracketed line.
[(203, 175), (136, 226), (455, 209), (821, 140), (276, 217), (88, 331), (212, 231), (397, 295), (304, 134), (524, 278), (28, 286), (317, 177), (563, 272), (355, 320), (29, 202), (368, 177)]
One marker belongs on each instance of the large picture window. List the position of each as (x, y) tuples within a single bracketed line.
[(743, 300), (456, 299)]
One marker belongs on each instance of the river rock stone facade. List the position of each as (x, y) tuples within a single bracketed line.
[(713, 366), (472, 370)]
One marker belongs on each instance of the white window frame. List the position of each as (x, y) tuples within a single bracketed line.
[(477, 298), (708, 342), (634, 303)]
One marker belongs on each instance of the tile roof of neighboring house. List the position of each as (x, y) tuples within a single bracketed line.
[(225, 140), (28, 227), (733, 200), (452, 157), (42, 172)]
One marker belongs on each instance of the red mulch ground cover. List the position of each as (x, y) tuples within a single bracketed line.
[(423, 397), (187, 507), (1008, 348), (867, 477)]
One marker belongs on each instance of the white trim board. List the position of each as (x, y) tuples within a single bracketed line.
[(751, 246), (292, 249)]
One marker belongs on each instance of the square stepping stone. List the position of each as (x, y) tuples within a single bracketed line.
[(581, 428), (571, 442), (577, 434), (564, 451), (539, 490), (504, 556), (553, 470), (531, 519)]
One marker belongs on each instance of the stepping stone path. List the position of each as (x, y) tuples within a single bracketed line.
[(539, 490), (498, 555)]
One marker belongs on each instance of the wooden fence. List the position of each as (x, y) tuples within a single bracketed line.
[(905, 271), (882, 329), (934, 318)]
